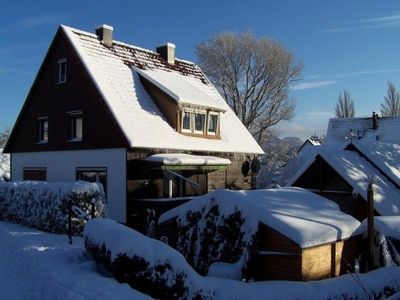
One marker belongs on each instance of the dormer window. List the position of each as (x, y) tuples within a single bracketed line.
[(186, 121), (212, 123), (199, 122), (62, 70)]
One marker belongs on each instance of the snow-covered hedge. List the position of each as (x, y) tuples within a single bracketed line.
[(147, 265), (45, 205), (210, 235)]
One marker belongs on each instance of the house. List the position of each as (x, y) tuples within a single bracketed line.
[(300, 235), (99, 108), (374, 128), (342, 174)]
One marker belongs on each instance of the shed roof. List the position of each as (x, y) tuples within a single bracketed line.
[(302, 216), (114, 71)]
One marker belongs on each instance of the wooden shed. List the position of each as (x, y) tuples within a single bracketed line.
[(300, 235)]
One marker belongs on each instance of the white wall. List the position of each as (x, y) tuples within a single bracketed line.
[(61, 166)]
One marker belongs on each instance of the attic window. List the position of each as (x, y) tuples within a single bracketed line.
[(62, 70), (186, 121), (199, 122), (42, 130), (212, 123), (75, 126)]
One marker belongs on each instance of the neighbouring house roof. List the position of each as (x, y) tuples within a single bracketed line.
[(302, 216), (356, 171), (385, 156), (340, 129), (115, 71)]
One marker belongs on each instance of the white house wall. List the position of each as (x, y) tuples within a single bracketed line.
[(61, 166)]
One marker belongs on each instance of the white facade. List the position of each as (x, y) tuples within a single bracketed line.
[(61, 167)]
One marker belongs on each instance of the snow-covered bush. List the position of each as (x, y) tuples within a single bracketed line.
[(208, 235), (147, 265), (46, 205)]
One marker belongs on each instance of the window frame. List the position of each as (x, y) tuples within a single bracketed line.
[(199, 112), (73, 116), (42, 131), (190, 130), (210, 113), (94, 170), (34, 169), (62, 65)]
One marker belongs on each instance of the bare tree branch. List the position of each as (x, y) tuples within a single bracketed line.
[(391, 106), (345, 106), (254, 76)]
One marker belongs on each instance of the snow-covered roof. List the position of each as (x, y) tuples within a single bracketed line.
[(357, 171), (114, 72), (385, 156), (302, 216), (339, 128), (186, 91), (387, 225), (187, 159)]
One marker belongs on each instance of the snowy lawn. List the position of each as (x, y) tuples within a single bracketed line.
[(38, 265)]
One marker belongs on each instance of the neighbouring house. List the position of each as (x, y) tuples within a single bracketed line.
[(102, 110), (298, 234), (341, 170), (374, 128)]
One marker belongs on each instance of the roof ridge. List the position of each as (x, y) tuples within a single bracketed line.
[(119, 43)]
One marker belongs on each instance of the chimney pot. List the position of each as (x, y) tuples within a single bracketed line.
[(104, 33), (167, 52)]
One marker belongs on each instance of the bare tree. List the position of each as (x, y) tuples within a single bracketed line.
[(4, 134), (391, 106), (345, 106), (254, 76)]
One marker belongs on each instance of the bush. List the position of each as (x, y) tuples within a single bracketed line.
[(147, 265), (45, 205)]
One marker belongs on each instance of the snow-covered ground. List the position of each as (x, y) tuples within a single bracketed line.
[(38, 265)]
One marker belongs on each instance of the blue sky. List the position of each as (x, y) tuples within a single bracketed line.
[(353, 45)]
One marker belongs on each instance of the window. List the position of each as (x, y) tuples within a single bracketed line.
[(75, 126), (42, 130), (35, 174), (186, 122), (62, 70), (93, 175), (199, 122), (212, 123)]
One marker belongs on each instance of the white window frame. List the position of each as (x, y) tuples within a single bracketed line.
[(62, 78), (208, 123), (190, 121), (72, 116), (200, 112), (40, 132)]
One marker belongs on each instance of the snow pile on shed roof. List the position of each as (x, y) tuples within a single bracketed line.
[(142, 123), (385, 156), (357, 171), (339, 128), (302, 216), (187, 159), (387, 225), (184, 90)]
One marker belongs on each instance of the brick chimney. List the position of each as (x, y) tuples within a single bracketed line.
[(167, 52), (104, 34)]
